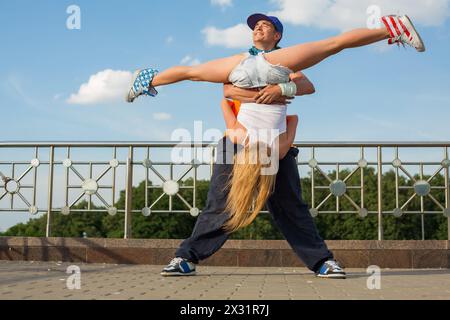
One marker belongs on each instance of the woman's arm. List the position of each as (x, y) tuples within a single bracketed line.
[(228, 114), (288, 140), (291, 130), (244, 95), (252, 95)]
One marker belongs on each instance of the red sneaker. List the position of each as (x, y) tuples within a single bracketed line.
[(403, 32)]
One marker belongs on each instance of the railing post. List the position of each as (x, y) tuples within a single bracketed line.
[(128, 194), (380, 209), (50, 191), (447, 192)]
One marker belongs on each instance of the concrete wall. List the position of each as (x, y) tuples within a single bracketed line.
[(270, 253)]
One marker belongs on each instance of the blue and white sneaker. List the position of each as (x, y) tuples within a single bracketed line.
[(141, 84), (331, 269), (179, 267)]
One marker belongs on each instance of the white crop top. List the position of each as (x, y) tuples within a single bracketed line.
[(263, 122), (256, 71)]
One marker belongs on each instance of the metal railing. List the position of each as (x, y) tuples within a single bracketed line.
[(89, 186)]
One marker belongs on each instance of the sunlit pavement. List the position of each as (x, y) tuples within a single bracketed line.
[(52, 280)]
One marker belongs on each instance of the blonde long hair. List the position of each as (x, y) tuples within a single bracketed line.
[(248, 185)]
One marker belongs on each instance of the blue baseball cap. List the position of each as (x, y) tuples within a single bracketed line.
[(255, 18)]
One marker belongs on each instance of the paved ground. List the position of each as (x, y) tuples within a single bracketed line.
[(49, 280)]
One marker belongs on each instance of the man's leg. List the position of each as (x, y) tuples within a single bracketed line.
[(208, 235), (291, 214)]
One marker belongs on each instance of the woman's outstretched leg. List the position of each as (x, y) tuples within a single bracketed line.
[(144, 81), (213, 71), (306, 55), (303, 56)]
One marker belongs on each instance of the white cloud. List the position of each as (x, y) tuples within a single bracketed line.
[(169, 39), (104, 86), (162, 116), (185, 60), (188, 60), (222, 3), (346, 14), (238, 36)]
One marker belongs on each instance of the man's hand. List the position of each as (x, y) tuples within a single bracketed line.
[(271, 95), (271, 92)]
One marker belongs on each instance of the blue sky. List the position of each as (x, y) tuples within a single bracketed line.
[(367, 94), (373, 93)]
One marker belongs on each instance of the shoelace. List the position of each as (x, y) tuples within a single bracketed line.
[(175, 261), (334, 265), (399, 42)]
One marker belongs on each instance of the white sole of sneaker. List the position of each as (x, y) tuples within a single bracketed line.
[(177, 274), (130, 96), (332, 276), (415, 34)]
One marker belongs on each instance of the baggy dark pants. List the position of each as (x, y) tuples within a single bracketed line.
[(286, 205)]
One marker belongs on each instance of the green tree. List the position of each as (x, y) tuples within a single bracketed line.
[(176, 225)]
